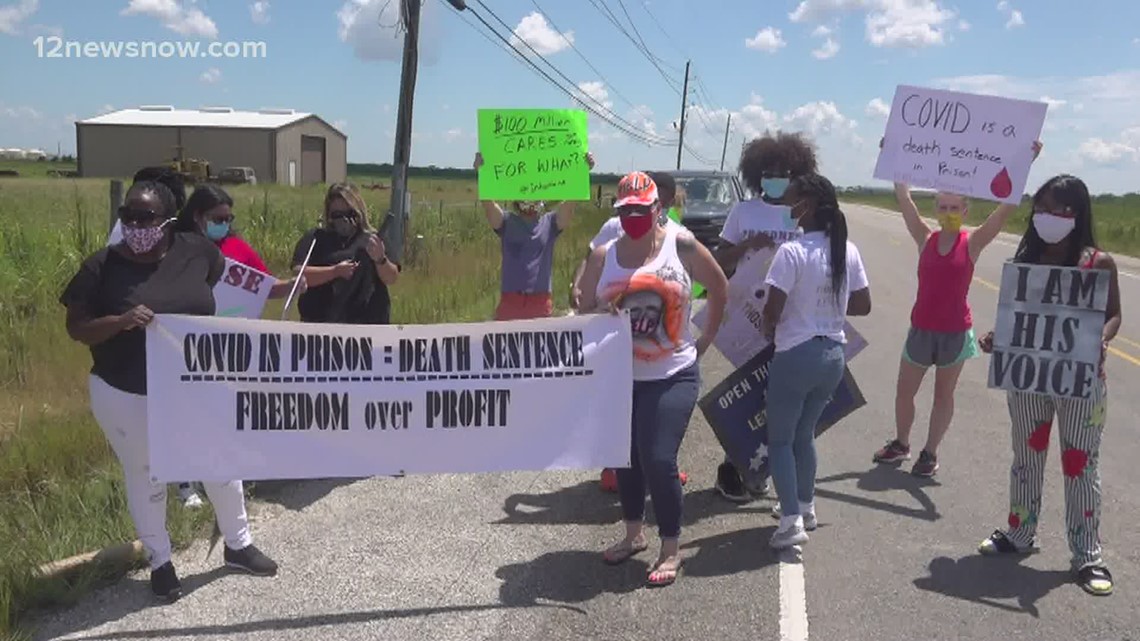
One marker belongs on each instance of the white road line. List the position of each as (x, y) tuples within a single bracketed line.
[(999, 240), (793, 597)]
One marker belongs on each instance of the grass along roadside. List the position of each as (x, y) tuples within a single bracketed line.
[(60, 487), (1116, 218)]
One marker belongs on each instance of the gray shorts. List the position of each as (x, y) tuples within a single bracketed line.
[(940, 349)]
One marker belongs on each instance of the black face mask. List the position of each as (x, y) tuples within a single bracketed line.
[(344, 227)]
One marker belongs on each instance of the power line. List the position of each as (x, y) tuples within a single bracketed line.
[(609, 15), (582, 55), (556, 70), (634, 133)]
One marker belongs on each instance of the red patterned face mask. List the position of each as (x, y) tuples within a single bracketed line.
[(636, 226)]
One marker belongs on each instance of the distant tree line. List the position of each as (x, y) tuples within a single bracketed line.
[(384, 170)]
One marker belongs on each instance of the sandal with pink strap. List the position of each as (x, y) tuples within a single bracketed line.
[(664, 573)]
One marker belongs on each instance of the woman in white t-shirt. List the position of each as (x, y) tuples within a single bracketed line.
[(814, 283)]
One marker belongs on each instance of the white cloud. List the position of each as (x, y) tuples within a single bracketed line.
[(827, 50), (1136, 41), (822, 31), (822, 117), (536, 32), (211, 75), (1015, 19), (767, 39), (370, 28), (963, 25), (341, 124), (889, 23), (595, 90), (1102, 152), (22, 113), (877, 108), (174, 15), (259, 11), (13, 14), (106, 109), (451, 135), (643, 117), (1054, 103)]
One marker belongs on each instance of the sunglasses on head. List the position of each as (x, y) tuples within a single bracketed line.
[(136, 217)]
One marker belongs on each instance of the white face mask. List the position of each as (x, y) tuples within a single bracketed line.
[(1052, 228)]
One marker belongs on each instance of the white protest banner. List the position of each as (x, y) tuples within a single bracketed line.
[(242, 291), (231, 398), (1047, 338), (968, 144)]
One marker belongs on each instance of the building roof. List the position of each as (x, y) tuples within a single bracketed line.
[(165, 116)]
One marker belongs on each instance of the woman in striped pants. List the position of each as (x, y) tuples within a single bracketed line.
[(1061, 233)]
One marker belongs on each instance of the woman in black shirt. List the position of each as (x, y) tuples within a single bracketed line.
[(349, 272), (109, 302)]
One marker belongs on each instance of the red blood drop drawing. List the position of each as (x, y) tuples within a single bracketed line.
[(1073, 462), (1001, 186), (1014, 521)]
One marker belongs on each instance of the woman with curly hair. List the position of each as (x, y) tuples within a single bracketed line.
[(752, 232), (1061, 233)]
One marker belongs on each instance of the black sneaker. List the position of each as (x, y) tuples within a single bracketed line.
[(165, 584), (730, 485), (1095, 580), (926, 465), (250, 559)]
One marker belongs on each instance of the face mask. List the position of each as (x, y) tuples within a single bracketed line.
[(636, 226), (774, 187), (1053, 229), (344, 227), (950, 222), (217, 231), (143, 239)]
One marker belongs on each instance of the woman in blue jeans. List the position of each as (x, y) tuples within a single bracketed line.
[(814, 283), (648, 271)]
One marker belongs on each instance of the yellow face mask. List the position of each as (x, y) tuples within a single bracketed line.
[(950, 222)]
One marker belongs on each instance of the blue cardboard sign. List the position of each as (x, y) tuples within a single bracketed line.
[(736, 410)]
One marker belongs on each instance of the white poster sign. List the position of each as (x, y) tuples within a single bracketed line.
[(1047, 338), (233, 398), (241, 292), (974, 145)]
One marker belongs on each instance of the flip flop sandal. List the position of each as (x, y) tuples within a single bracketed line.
[(623, 553), (1095, 580), (666, 577)]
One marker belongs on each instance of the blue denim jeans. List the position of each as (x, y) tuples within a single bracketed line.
[(661, 412), (801, 382)]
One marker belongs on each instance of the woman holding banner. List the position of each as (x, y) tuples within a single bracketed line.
[(752, 231), (209, 212), (1061, 233), (527, 236), (942, 329), (648, 272), (330, 258), (113, 297), (814, 283)]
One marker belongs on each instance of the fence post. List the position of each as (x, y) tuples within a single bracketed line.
[(116, 202)]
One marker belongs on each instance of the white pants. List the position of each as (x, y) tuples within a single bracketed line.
[(122, 416)]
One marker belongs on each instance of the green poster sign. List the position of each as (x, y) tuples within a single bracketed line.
[(533, 154), (675, 214)]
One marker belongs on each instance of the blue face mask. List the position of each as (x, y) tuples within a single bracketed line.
[(774, 187), (217, 231)]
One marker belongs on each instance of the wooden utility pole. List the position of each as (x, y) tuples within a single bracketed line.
[(684, 104), (724, 150), (397, 229)]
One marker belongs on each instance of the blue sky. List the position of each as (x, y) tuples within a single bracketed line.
[(827, 67)]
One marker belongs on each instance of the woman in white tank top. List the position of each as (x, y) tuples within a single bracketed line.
[(648, 271)]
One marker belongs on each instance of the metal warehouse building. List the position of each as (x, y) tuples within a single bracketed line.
[(281, 145)]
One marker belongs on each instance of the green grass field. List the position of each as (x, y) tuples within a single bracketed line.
[(60, 487), (1116, 218)]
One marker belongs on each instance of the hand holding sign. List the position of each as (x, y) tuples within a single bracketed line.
[(138, 316), (375, 248)]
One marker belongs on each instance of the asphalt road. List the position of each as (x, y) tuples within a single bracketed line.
[(516, 556)]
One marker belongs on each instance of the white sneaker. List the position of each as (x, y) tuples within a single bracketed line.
[(810, 523), (791, 532), (189, 497)]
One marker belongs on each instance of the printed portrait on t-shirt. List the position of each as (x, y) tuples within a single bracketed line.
[(656, 304)]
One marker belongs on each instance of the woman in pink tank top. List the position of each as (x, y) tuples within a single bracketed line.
[(941, 332), (1061, 233)]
